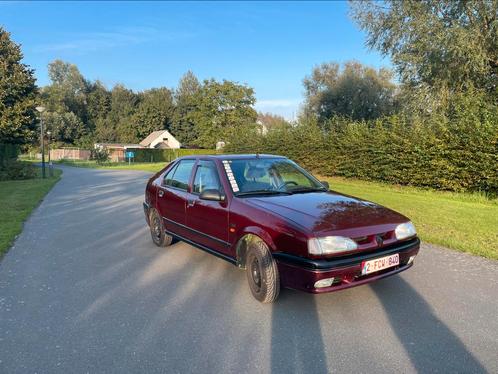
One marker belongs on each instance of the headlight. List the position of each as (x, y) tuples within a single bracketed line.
[(405, 230), (330, 244)]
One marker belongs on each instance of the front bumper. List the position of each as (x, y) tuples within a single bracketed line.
[(302, 273)]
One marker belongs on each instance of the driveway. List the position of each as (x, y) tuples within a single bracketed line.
[(85, 290)]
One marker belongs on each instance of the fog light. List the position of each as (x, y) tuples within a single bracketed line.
[(327, 282), (410, 260)]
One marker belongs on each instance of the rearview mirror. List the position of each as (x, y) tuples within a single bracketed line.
[(212, 195), (325, 184)]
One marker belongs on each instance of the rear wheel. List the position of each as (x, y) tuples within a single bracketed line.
[(157, 231), (262, 272)]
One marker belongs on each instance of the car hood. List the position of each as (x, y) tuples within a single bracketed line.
[(331, 212)]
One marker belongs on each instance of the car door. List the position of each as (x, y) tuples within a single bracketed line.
[(172, 196), (208, 220)]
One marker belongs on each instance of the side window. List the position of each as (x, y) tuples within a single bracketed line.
[(169, 175), (180, 175), (206, 177)]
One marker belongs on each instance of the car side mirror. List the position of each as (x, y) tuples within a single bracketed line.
[(325, 184), (212, 195)]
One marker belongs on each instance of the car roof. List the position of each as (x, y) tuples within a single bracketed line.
[(228, 156)]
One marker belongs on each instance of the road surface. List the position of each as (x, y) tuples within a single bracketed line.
[(85, 290)]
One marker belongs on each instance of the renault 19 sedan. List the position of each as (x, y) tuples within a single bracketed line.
[(269, 216)]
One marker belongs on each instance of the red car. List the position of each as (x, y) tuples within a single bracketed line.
[(269, 216)]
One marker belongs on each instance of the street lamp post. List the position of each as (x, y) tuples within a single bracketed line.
[(40, 109), (50, 171)]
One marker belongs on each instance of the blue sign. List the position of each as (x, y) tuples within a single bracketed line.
[(130, 154)]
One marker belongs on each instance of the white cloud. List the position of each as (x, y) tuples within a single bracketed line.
[(95, 41)]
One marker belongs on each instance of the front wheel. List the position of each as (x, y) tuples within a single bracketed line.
[(157, 231), (262, 273)]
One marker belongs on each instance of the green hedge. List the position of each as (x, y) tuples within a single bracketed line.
[(456, 151), (166, 155)]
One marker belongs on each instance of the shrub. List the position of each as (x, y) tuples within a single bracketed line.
[(99, 155), (456, 150), (15, 170)]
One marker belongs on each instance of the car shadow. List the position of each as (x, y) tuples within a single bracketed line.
[(296, 338), (430, 344)]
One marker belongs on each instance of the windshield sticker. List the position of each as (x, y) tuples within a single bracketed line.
[(230, 176)]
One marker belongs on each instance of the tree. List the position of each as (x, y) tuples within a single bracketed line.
[(356, 91), (155, 112), (98, 101), (436, 45), (222, 110), (65, 127), (68, 91), (17, 94), (186, 96), (117, 125)]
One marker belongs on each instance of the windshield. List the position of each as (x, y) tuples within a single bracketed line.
[(269, 176)]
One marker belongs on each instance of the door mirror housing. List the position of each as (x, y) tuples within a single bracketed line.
[(212, 195), (325, 184)]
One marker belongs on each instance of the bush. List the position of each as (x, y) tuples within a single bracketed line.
[(99, 155), (456, 150), (15, 170)]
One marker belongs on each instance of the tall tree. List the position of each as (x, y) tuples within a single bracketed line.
[(355, 91), (436, 44), (17, 94), (98, 101), (118, 124), (223, 108), (186, 96), (155, 112), (68, 90)]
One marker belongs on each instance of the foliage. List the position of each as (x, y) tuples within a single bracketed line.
[(456, 151), (100, 155), (64, 127), (186, 95), (15, 170), (438, 44), (223, 109), (155, 112), (17, 94), (355, 91), (8, 152)]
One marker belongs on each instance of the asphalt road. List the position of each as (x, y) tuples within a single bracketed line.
[(85, 290)]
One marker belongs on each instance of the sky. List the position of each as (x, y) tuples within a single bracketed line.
[(270, 46)]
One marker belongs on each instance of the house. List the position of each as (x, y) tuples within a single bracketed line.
[(161, 139)]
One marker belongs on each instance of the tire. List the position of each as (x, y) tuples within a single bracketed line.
[(157, 231), (262, 272)]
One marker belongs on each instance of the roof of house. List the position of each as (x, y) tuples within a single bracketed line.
[(151, 137)]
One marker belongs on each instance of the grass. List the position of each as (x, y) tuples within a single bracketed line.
[(17, 199), (465, 222)]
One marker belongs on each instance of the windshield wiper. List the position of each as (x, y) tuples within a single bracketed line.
[(307, 189), (263, 192)]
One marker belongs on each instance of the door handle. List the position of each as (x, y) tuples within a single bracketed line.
[(160, 193), (190, 203)]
